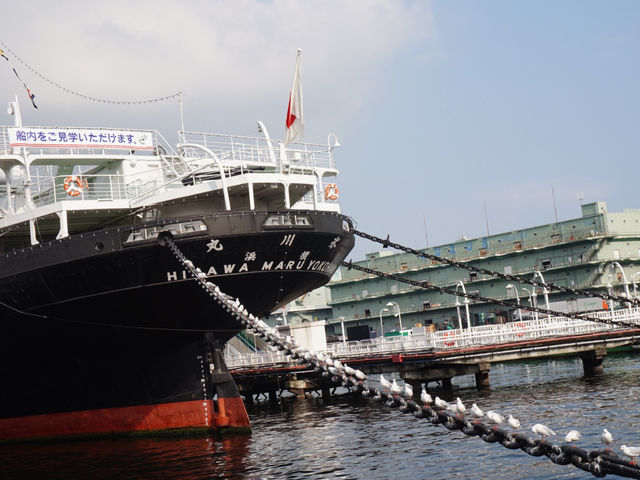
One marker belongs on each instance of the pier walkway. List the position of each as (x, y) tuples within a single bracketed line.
[(442, 355)]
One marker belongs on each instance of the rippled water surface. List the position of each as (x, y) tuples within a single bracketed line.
[(352, 438)]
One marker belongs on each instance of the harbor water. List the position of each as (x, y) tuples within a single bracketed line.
[(349, 437)]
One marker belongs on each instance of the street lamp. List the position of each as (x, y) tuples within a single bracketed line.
[(545, 292), (512, 286), (614, 266), (381, 326), (466, 306), (344, 338), (399, 315), (532, 296)]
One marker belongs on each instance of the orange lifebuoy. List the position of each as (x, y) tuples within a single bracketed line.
[(73, 185), (522, 328), (450, 343), (331, 192)]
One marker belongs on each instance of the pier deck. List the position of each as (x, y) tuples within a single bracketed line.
[(440, 356)]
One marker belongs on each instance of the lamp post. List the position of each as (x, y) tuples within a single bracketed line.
[(545, 292), (399, 315), (512, 286), (531, 300), (466, 307), (344, 338), (614, 266), (382, 326)]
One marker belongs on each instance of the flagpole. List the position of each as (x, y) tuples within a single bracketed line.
[(181, 116)]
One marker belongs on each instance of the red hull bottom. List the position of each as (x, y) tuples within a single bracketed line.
[(197, 415)]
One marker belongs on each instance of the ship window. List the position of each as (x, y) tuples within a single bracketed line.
[(546, 263), (426, 305), (394, 289), (473, 276), (287, 220), (508, 269), (616, 254), (367, 312)]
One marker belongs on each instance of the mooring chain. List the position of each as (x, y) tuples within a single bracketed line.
[(505, 276), (340, 374), (475, 296), (599, 463)]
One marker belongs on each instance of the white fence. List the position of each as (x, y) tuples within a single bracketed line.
[(543, 327)]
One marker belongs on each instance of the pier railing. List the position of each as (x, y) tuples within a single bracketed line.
[(485, 335)]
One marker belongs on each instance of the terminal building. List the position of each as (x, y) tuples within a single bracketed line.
[(598, 251)]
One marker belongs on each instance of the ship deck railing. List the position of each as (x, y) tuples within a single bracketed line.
[(294, 158), (542, 327)]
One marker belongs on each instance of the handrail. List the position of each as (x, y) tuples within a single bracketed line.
[(444, 340)]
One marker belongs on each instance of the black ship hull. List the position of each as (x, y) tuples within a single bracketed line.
[(105, 333)]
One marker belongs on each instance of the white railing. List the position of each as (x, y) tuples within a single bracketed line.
[(443, 340), (92, 187), (241, 149), (256, 359), (84, 187)]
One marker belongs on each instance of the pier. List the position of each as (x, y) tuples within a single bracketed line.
[(440, 356)]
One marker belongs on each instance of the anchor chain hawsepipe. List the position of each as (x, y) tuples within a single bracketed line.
[(597, 462), (505, 276)]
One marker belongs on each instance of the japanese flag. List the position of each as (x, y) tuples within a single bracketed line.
[(294, 122)]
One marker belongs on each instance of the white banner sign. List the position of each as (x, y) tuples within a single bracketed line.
[(79, 138)]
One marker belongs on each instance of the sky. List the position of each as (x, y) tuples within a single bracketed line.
[(441, 107)]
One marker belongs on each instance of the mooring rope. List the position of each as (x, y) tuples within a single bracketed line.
[(597, 462)]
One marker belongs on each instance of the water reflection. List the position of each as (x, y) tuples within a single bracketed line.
[(352, 437)]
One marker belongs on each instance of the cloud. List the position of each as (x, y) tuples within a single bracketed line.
[(222, 54)]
